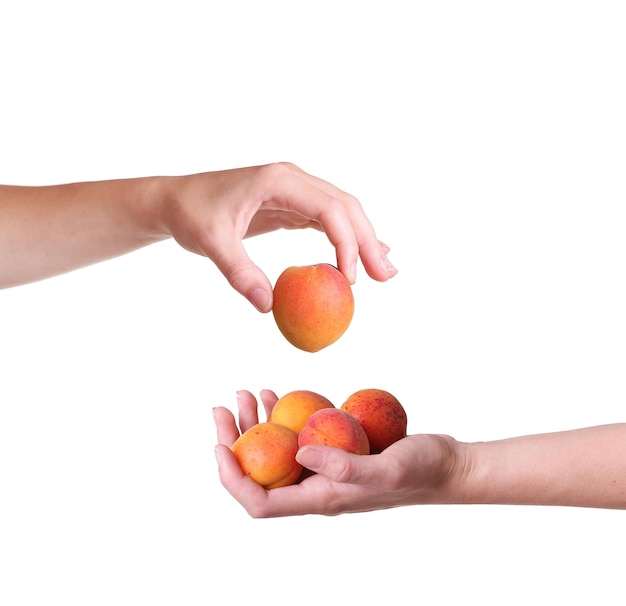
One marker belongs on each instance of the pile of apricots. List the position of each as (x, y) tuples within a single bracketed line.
[(368, 421)]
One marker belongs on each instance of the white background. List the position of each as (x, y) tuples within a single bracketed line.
[(486, 141)]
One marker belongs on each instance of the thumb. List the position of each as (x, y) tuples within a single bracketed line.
[(339, 465), (245, 277)]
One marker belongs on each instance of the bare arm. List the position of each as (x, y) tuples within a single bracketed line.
[(581, 467), (45, 231), (578, 468), (49, 230)]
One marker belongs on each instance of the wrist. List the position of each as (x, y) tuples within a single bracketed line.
[(460, 476), (154, 203)]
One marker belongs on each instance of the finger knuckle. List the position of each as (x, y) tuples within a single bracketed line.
[(343, 471), (236, 274), (276, 171)]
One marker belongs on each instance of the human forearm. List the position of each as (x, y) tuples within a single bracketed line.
[(582, 467), (50, 230)]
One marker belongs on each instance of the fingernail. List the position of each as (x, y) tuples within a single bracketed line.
[(388, 266), (218, 455), (260, 299), (310, 457), (352, 276)]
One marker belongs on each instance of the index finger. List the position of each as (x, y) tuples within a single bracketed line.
[(341, 216)]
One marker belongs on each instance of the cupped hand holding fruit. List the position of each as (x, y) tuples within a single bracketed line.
[(415, 469), (266, 451)]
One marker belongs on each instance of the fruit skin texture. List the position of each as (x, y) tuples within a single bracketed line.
[(266, 452), (313, 305), (294, 408), (335, 427), (381, 415)]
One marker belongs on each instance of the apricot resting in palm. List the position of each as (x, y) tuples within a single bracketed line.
[(380, 414), (335, 427), (267, 454), (294, 408)]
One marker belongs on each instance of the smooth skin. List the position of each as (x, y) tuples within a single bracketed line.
[(578, 468), (49, 230)]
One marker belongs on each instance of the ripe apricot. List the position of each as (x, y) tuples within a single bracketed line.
[(267, 454), (294, 408), (380, 414), (334, 427), (313, 305)]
